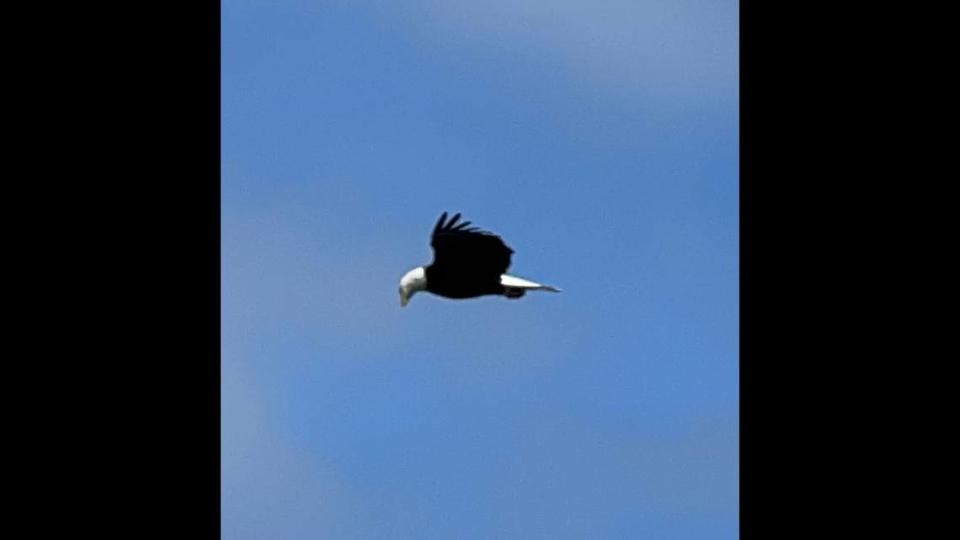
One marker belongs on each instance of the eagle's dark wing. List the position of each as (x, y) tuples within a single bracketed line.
[(457, 248)]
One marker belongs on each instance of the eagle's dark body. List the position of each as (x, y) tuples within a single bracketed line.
[(467, 262)]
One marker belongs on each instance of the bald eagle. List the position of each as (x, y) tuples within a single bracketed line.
[(467, 263)]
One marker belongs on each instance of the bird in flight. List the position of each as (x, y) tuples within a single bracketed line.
[(467, 263)]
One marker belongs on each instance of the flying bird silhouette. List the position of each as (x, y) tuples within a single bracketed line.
[(467, 263)]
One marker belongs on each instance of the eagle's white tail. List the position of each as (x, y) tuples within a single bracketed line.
[(513, 282)]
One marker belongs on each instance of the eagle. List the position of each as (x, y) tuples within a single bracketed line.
[(467, 263)]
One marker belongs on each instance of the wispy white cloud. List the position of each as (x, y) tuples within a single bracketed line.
[(656, 49)]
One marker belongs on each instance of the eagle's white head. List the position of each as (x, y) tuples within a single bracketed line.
[(411, 282)]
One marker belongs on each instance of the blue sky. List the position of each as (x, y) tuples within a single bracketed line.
[(600, 139)]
